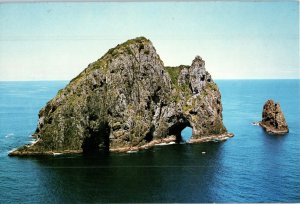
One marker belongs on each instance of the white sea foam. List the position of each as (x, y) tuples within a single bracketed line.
[(164, 143), (131, 151), (56, 153), (32, 141), (12, 150), (161, 144), (9, 135), (255, 123)]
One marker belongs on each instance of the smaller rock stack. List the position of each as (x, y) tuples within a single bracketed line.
[(273, 120)]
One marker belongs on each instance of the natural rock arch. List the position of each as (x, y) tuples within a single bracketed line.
[(126, 99), (176, 129)]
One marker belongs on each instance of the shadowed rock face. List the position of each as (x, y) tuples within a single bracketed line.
[(127, 99), (273, 120)]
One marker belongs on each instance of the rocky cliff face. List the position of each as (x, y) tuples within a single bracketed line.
[(128, 99), (273, 120)]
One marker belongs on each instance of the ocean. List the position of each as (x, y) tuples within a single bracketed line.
[(250, 167)]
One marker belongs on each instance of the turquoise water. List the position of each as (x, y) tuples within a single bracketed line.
[(186, 133), (250, 167)]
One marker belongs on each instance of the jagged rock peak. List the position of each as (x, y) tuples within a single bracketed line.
[(198, 75), (128, 100), (198, 62), (273, 120)]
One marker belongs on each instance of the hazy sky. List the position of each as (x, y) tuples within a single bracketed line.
[(45, 41)]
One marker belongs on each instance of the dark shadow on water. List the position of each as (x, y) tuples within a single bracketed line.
[(277, 140), (174, 173)]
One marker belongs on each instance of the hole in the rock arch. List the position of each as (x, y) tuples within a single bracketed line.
[(186, 133), (177, 128), (98, 139)]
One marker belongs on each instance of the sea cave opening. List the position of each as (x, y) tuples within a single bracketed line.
[(98, 140), (182, 129)]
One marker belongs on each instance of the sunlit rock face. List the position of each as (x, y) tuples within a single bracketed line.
[(273, 120), (126, 99)]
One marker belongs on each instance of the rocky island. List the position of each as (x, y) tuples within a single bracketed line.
[(126, 101), (273, 120)]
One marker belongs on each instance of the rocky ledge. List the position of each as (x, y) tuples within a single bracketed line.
[(128, 100), (273, 120)]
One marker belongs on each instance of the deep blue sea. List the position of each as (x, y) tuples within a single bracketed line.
[(251, 167)]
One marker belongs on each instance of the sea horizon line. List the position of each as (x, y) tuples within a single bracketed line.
[(240, 79)]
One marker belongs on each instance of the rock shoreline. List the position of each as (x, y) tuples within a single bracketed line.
[(272, 130), (44, 153), (165, 141), (215, 138)]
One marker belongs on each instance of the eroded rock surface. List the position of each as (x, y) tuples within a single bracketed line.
[(273, 120), (128, 99)]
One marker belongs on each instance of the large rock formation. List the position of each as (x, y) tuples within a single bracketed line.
[(273, 120), (127, 100)]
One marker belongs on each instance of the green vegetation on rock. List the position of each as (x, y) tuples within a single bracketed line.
[(127, 99)]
